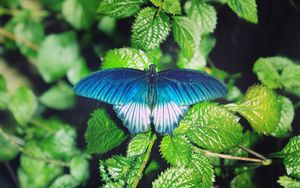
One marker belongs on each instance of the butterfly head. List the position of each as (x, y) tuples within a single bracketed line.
[(152, 70)]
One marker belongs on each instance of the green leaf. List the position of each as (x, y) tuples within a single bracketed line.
[(197, 62), (186, 35), (202, 169), (287, 114), (122, 170), (4, 98), (23, 105), (59, 97), (176, 177), (291, 157), (66, 181), (246, 9), (57, 55), (176, 150), (138, 144), (288, 182), (102, 133), (207, 43), (169, 6), (119, 8), (78, 71), (204, 16), (107, 25), (212, 127), (79, 168), (126, 57), (29, 31), (8, 150), (152, 167), (60, 144), (291, 76), (80, 14), (261, 107), (149, 29), (243, 180)]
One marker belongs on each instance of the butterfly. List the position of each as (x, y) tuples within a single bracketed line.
[(143, 97)]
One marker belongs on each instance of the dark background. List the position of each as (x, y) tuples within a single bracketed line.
[(239, 44)]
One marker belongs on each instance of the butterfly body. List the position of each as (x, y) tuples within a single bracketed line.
[(143, 97)]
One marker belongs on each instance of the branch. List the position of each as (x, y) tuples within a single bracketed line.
[(252, 152), (145, 161)]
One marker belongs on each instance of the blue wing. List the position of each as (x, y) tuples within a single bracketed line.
[(187, 87), (176, 90), (126, 89), (113, 86)]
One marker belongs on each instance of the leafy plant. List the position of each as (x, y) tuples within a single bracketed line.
[(58, 40)]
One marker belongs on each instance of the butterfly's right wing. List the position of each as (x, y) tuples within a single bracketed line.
[(113, 86)]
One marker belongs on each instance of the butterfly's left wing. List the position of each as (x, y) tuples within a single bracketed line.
[(176, 90)]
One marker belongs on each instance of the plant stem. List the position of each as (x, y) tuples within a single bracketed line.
[(11, 173), (145, 161), (13, 37), (252, 152), (224, 156)]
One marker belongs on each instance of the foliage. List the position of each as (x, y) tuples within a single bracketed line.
[(58, 40)]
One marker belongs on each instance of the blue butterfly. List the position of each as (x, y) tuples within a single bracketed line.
[(143, 97)]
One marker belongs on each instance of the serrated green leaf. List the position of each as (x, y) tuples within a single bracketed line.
[(4, 98), (243, 180), (204, 16), (8, 150), (59, 97), (66, 181), (212, 127), (202, 169), (119, 8), (261, 107), (291, 76), (286, 117), (288, 182), (61, 144), (246, 9), (80, 14), (57, 54), (176, 177), (78, 71), (79, 168), (30, 31), (186, 35), (291, 157), (23, 105), (138, 144), (149, 29), (169, 6), (102, 133), (176, 150), (126, 57)]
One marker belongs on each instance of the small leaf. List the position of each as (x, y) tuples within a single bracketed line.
[(119, 8), (59, 97), (78, 71), (169, 6), (107, 25), (80, 14), (66, 180), (207, 43), (29, 31), (126, 57), (204, 16), (287, 114), (57, 55), (212, 127), (261, 107), (291, 77), (152, 167), (246, 9), (202, 169), (138, 144), (288, 182), (8, 150), (176, 177), (186, 35), (149, 29), (23, 105), (243, 180), (4, 98), (291, 157), (102, 133), (79, 168), (176, 150)]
